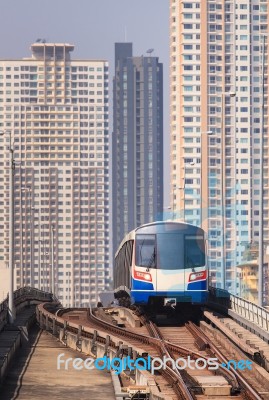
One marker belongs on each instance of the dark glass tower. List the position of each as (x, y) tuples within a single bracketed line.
[(137, 141)]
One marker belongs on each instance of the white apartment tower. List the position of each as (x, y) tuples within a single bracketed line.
[(56, 109), (217, 49)]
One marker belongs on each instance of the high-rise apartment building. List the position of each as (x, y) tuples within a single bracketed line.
[(137, 141), (216, 120), (57, 111)]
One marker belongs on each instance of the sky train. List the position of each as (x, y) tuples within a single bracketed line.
[(162, 262)]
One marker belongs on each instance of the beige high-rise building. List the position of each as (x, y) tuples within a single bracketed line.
[(216, 121), (57, 111)]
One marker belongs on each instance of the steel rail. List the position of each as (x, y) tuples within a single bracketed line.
[(172, 376), (153, 330), (169, 374), (182, 351), (251, 393), (164, 346)]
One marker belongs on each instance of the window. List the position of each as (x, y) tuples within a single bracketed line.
[(145, 251), (194, 251), (187, 16), (188, 88), (187, 36), (187, 26), (170, 251)]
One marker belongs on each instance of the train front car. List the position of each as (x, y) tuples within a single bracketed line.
[(169, 264)]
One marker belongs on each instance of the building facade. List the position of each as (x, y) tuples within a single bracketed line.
[(248, 283), (137, 141), (56, 109), (218, 69)]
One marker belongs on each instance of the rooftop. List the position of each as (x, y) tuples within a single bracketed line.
[(40, 50)]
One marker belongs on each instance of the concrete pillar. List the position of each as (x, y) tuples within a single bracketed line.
[(41, 321), (54, 328), (78, 341), (94, 339), (107, 345), (47, 323), (130, 350), (119, 347), (64, 338)]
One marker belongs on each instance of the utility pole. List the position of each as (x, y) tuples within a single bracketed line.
[(52, 261), (11, 309), (261, 247)]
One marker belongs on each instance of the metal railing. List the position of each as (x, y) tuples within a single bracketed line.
[(21, 295), (251, 312)]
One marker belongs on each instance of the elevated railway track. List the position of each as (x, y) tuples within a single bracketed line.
[(161, 342), (224, 334)]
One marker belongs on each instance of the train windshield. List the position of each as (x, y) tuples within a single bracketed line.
[(145, 251), (194, 251), (170, 251)]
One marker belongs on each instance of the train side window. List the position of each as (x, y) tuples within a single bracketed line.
[(194, 254), (128, 255), (145, 251)]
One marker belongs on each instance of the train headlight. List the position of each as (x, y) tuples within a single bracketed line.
[(197, 276), (144, 276)]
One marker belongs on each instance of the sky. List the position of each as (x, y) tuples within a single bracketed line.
[(93, 26)]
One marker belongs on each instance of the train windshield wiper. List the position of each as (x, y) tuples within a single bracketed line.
[(191, 264), (140, 252), (152, 259)]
